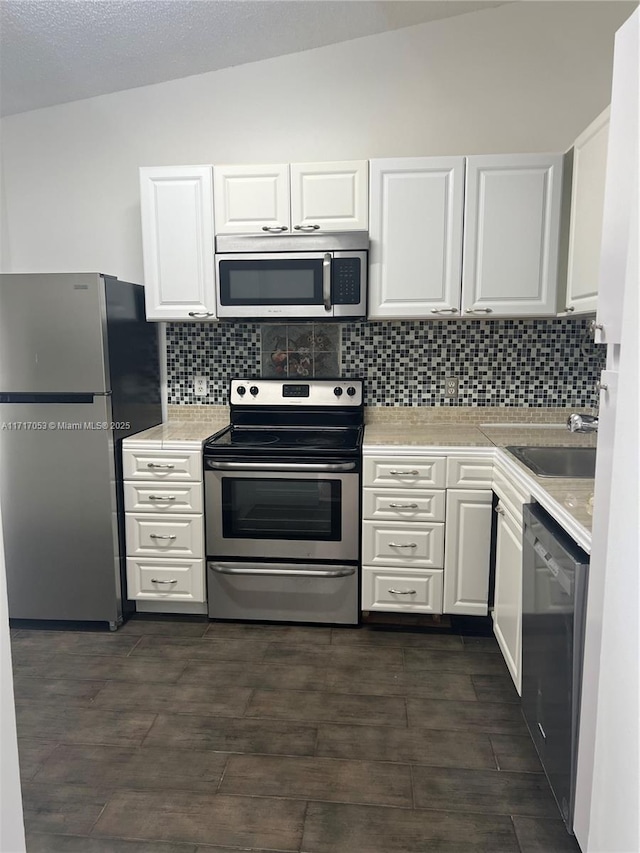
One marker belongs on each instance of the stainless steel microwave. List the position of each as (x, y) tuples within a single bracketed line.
[(316, 277)]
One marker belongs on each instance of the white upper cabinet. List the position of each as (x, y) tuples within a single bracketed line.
[(251, 199), (291, 199), (177, 242), (587, 205), (416, 237), (511, 235), (329, 196)]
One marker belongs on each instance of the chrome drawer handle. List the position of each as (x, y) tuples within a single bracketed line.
[(201, 314), (306, 227), (401, 473), (162, 536), (275, 229), (157, 465), (444, 310), (156, 580), (398, 545), (403, 506), (402, 591), (162, 497), (479, 311)]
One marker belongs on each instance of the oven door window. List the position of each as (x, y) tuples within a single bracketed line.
[(271, 508), (294, 281)]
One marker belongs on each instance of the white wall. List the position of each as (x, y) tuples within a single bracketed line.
[(11, 826), (520, 77)]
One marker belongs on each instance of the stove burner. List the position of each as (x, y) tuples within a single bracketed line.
[(252, 437)]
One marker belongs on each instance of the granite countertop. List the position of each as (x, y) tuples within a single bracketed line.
[(183, 430)]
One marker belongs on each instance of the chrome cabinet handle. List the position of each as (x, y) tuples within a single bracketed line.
[(162, 497), (403, 506), (162, 536), (326, 281), (593, 325), (444, 310), (400, 473), (306, 227), (499, 510), (201, 314), (398, 545), (275, 229), (158, 465), (156, 580), (602, 386), (479, 311), (569, 309), (402, 591)]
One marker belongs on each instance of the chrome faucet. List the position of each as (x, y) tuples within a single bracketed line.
[(582, 423)]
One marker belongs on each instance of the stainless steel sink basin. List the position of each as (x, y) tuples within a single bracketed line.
[(558, 461)]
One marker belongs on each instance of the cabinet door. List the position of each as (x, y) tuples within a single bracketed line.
[(587, 205), (251, 199), (507, 612), (329, 196), (177, 242), (511, 235), (416, 237), (467, 551)]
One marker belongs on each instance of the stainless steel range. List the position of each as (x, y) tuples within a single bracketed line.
[(282, 502)]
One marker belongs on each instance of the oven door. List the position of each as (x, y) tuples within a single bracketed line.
[(273, 285), (276, 510)]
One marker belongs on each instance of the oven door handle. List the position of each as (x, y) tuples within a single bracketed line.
[(281, 570), (284, 467)]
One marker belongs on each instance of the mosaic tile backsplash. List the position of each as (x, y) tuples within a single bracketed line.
[(530, 363)]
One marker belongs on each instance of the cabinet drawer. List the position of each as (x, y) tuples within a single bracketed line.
[(162, 497), (162, 465), (413, 473), (155, 535), (469, 472), (410, 544), (395, 505), (165, 579), (396, 590)]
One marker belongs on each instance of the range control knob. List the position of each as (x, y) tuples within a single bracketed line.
[(351, 391), (337, 391), (253, 390), (242, 390)]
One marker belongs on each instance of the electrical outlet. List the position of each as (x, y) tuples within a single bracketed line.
[(200, 386), (451, 386)]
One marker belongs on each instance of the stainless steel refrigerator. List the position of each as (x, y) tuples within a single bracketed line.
[(79, 371)]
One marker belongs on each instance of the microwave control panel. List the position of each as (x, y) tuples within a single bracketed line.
[(345, 281)]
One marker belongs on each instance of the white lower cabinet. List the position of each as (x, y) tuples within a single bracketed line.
[(467, 551), (507, 610), (426, 545), (164, 526), (392, 589)]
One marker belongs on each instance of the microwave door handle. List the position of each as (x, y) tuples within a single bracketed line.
[(326, 281)]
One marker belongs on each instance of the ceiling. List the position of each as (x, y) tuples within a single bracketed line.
[(56, 51)]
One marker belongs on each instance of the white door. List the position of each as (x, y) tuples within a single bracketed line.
[(329, 196), (251, 199), (416, 237), (177, 242), (507, 610), (587, 205), (467, 551), (511, 235)]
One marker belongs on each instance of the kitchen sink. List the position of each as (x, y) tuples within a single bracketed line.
[(558, 461)]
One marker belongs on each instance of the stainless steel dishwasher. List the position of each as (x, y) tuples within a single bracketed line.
[(554, 598)]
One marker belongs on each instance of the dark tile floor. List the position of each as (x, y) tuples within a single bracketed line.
[(188, 736)]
